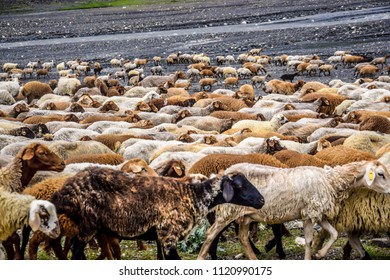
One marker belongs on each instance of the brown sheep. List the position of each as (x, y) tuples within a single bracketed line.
[(114, 141), (236, 116), (35, 90), (350, 60), (246, 91), (51, 118), (230, 82), (368, 71), (232, 104), (340, 155), (294, 159), (206, 84), (327, 101), (111, 159), (375, 123), (96, 118), (358, 115), (282, 87), (139, 167), (214, 163), (385, 149), (42, 72), (174, 169)]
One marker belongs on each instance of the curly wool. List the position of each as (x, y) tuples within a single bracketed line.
[(10, 175)]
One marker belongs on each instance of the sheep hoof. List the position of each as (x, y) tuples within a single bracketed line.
[(317, 256)]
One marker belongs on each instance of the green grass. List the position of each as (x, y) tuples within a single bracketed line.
[(118, 3), (231, 247)]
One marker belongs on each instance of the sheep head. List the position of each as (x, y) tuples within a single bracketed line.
[(274, 145), (43, 217), (174, 169), (375, 176), (186, 138), (237, 189), (139, 167), (25, 132), (210, 139), (38, 157), (109, 106)]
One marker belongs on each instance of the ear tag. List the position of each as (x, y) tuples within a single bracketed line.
[(371, 175)]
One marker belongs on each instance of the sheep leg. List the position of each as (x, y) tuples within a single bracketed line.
[(25, 237), (243, 236), (57, 248), (33, 245), (214, 244), (78, 247), (319, 240), (347, 249), (333, 237), (67, 245), (115, 248), (309, 233), (354, 241), (211, 234), (278, 231)]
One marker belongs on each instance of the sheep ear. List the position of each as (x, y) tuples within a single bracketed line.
[(28, 154), (369, 176), (227, 191), (34, 220), (136, 169)]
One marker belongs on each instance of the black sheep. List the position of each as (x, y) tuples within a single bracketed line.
[(289, 77), (111, 202)]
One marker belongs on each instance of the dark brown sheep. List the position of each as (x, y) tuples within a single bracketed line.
[(101, 200)]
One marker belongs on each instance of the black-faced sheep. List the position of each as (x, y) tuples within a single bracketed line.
[(88, 199)]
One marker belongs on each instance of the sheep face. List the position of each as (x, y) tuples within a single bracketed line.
[(238, 190), (274, 145), (376, 177), (43, 217), (26, 132), (39, 157)]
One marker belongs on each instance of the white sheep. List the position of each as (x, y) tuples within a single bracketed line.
[(67, 86), (12, 87), (309, 193), (19, 210), (6, 98), (273, 125)]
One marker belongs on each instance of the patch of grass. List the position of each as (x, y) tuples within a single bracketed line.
[(117, 3)]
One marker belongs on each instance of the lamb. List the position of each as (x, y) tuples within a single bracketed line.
[(259, 80), (314, 197), (281, 87), (76, 194), (273, 125)]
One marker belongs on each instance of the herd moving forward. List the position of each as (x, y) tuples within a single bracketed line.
[(120, 154)]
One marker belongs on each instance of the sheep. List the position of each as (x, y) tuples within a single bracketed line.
[(214, 163), (289, 77), (50, 118), (366, 141), (6, 98), (131, 191), (21, 131), (207, 123), (309, 193), (67, 86), (207, 83), (364, 211), (35, 90), (281, 87), (8, 66), (367, 71), (113, 141), (112, 159), (28, 160), (138, 166), (375, 123), (19, 210), (339, 155), (294, 159), (273, 125), (66, 149), (236, 116), (12, 87), (155, 81), (174, 169), (230, 81), (326, 69), (246, 91), (380, 61)]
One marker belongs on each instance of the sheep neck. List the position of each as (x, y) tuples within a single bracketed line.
[(344, 179), (206, 194)]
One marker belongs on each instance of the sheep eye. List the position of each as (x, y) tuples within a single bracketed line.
[(381, 174)]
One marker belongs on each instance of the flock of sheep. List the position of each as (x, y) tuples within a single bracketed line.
[(130, 150)]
